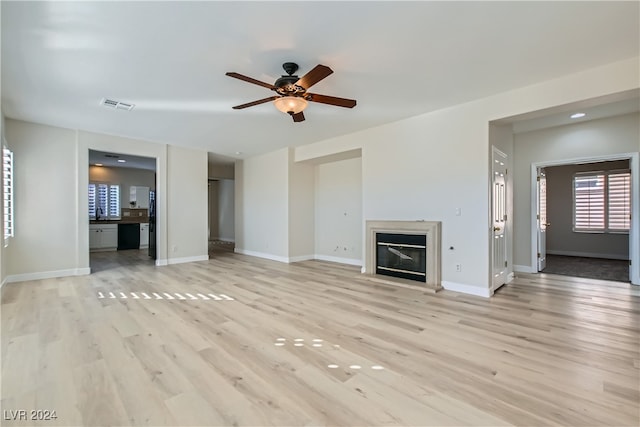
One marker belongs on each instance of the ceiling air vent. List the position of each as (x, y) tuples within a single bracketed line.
[(116, 104)]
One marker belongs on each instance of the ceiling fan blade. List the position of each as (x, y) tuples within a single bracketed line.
[(331, 100), (318, 73), (258, 102), (299, 117), (251, 80)]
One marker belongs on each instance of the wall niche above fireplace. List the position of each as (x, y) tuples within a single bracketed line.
[(405, 250)]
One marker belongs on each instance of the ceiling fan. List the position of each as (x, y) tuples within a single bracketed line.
[(292, 95)]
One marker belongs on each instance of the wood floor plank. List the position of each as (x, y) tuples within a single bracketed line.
[(298, 343)]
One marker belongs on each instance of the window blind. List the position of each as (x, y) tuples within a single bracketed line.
[(619, 201), (602, 201)]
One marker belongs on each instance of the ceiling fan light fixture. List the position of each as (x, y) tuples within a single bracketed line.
[(290, 104)]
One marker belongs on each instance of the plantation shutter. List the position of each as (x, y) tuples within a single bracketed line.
[(104, 200), (92, 200), (114, 200), (589, 202), (7, 175), (619, 201)]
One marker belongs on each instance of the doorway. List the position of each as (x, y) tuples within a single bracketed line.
[(221, 218), (121, 198), (582, 219)]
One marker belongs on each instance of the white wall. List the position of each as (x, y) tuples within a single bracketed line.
[(226, 210), (214, 200), (46, 201), (593, 138), (338, 211), (561, 239), (52, 218), (95, 141), (427, 166), (126, 177), (187, 201), (262, 205), (220, 171), (301, 210)]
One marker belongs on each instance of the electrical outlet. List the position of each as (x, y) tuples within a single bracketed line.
[(458, 267), (174, 248)]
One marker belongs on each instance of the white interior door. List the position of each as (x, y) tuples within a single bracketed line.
[(499, 219), (542, 219)]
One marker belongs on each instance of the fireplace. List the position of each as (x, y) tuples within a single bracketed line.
[(404, 252), (402, 255)]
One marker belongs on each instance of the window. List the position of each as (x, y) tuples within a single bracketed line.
[(7, 191), (104, 201), (602, 202)]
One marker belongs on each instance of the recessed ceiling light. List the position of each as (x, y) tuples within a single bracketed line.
[(238, 152), (578, 115), (98, 164), (121, 160)]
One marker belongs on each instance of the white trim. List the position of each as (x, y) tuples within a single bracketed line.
[(339, 260), (262, 255), (588, 255), (188, 259), (466, 289), (47, 275), (161, 262), (300, 258), (524, 269), (3, 282), (634, 232)]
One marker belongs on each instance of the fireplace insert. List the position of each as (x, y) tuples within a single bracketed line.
[(402, 255)]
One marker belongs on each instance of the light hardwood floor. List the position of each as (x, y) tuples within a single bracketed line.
[(545, 350)]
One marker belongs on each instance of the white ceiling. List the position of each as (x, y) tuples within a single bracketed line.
[(111, 160), (398, 59)]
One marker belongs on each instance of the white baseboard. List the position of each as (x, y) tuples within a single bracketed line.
[(466, 289), (47, 275), (183, 260), (161, 262), (300, 258), (349, 261), (588, 255), (224, 239), (524, 269), (262, 255), (3, 282), (289, 260)]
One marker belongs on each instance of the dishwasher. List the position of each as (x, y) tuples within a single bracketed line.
[(128, 236)]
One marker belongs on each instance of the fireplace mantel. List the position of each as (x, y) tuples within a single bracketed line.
[(431, 229)]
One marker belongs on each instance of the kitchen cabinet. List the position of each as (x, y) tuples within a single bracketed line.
[(103, 237), (144, 235), (139, 195)]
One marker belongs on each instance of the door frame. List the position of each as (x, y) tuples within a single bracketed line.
[(634, 236), (540, 172)]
